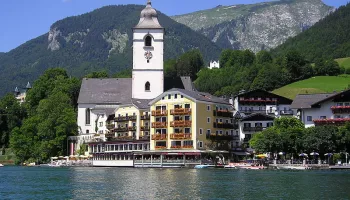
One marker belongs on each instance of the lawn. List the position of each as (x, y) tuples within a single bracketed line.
[(344, 62), (319, 84)]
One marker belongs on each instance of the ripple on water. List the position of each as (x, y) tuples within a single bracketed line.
[(130, 183)]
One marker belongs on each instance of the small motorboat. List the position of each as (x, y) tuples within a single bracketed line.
[(204, 166), (230, 166), (253, 167), (291, 167), (1, 165)]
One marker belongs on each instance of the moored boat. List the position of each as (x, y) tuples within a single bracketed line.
[(203, 166), (291, 167), (1, 165)]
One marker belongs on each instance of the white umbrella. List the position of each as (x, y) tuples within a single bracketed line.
[(328, 154), (303, 154), (314, 154), (281, 153)]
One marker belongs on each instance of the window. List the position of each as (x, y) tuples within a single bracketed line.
[(339, 104), (87, 131), (208, 120), (309, 118), (200, 144), (200, 131), (147, 86), (323, 117), (162, 98), (187, 106), (182, 96), (208, 132), (169, 96), (87, 116), (148, 41), (101, 124), (175, 96), (208, 107)]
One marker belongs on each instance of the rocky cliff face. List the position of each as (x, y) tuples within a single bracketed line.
[(258, 26)]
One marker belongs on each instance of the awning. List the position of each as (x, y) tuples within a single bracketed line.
[(241, 153)]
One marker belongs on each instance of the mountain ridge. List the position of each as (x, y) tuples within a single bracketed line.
[(94, 41), (255, 26)]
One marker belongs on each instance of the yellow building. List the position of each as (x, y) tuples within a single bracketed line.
[(189, 120)]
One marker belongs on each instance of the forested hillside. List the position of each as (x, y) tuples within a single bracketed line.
[(94, 41), (327, 39)]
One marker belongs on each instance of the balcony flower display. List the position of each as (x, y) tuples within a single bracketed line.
[(340, 109), (332, 121)]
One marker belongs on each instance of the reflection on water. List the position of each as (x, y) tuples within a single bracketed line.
[(129, 183)]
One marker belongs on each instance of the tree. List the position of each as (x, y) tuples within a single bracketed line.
[(189, 63), (100, 74), (268, 140), (169, 68), (263, 57), (123, 74)]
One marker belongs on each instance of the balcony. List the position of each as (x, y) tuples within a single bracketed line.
[(110, 126), (340, 109), (181, 123), (160, 137), (223, 125), (253, 129), (159, 124), (145, 128), (182, 147), (250, 111), (110, 135), (223, 113), (159, 113), (235, 137), (160, 147), (286, 112), (180, 136), (214, 136), (132, 128), (145, 117), (338, 122), (181, 111), (121, 129), (125, 118), (257, 100), (123, 138), (145, 137)]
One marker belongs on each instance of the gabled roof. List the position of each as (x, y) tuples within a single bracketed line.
[(252, 92), (258, 117), (307, 100), (141, 103), (334, 96), (187, 83), (194, 95), (106, 91)]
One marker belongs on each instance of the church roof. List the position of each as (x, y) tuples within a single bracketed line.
[(106, 91), (148, 18)]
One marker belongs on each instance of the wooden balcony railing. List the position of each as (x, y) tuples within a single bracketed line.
[(145, 117), (340, 109), (110, 126), (160, 137), (125, 118), (160, 147), (159, 113), (219, 137), (339, 121), (159, 124), (145, 128), (223, 113), (180, 136), (223, 125), (145, 137), (110, 135), (182, 147), (123, 138), (132, 128), (181, 124), (121, 129), (181, 111), (253, 129)]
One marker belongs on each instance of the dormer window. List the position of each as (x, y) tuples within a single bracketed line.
[(147, 86), (148, 41)]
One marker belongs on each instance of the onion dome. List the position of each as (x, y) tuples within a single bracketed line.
[(148, 17)]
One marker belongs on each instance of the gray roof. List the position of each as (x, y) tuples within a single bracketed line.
[(141, 103), (187, 83), (200, 96), (148, 18), (106, 91), (307, 100)]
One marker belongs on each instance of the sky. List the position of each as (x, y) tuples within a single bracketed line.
[(23, 20)]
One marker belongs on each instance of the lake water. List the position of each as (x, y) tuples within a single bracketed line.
[(130, 183)]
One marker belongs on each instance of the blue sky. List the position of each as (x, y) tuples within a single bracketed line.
[(22, 20)]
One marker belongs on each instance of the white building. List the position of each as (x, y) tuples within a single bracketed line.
[(323, 109), (256, 111), (100, 98), (214, 64)]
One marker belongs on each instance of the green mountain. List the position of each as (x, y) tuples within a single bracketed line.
[(329, 38), (101, 39), (256, 26)]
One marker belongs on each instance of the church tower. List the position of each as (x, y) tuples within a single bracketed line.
[(148, 50)]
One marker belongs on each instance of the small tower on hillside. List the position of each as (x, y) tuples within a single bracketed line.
[(148, 51)]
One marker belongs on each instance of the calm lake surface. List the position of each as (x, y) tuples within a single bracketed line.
[(130, 183)]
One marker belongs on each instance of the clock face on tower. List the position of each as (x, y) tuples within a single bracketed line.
[(148, 55)]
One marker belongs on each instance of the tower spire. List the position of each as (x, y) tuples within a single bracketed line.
[(149, 2)]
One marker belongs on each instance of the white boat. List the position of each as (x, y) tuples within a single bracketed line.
[(254, 167), (1, 165), (230, 166), (203, 166)]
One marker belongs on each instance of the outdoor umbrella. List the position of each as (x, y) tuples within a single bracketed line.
[(281, 153), (303, 154), (314, 154)]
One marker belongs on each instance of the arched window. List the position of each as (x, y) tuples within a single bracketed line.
[(147, 86), (148, 41), (87, 116)]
